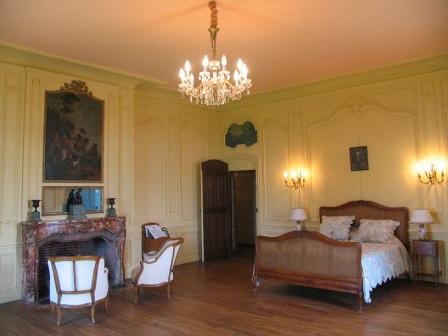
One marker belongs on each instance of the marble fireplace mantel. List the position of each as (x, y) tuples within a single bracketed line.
[(37, 233)]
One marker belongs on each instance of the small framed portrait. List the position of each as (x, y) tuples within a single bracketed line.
[(358, 158)]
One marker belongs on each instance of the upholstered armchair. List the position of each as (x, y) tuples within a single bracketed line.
[(77, 282), (156, 268)]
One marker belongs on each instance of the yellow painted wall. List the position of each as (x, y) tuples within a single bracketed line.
[(154, 143), (172, 137)]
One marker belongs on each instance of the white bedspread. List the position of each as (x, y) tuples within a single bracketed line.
[(381, 262)]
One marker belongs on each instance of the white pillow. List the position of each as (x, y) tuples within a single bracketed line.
[(376, 231), (336, 227)]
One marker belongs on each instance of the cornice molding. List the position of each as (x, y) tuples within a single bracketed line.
[(396, 71), (21, 56)]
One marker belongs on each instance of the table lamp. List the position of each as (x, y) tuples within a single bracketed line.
[(421, 217), (298, 214)]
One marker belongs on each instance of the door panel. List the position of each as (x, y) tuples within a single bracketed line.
[(244, 206), (216, 236)]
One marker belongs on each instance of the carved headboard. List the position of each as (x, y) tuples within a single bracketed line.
[(371, 210)]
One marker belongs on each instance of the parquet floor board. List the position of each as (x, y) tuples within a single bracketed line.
[(217, 298)]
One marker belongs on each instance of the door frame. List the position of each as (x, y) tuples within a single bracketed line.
[(239, 162), (232, 208)]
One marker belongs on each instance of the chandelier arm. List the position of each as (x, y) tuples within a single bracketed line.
[(229, 84)]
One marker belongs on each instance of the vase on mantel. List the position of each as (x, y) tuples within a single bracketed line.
[(35, 215), (111, 212)]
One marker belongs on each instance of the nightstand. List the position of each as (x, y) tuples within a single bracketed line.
[(425, 247)]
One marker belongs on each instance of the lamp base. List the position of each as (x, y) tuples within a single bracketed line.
[(422, 233), (298, 226)]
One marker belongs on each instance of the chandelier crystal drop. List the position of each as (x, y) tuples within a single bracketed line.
[(215, 87)]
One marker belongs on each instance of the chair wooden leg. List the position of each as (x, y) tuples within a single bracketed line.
[(59, 315), (168, 290), (107, 302), (136, 293), (92, 313)]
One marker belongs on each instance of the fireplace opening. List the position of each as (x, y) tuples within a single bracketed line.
[(97, 246)]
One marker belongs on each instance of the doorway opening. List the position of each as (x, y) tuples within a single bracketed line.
[(243, 204)]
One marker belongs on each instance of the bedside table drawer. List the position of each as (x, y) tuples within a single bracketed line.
[(425, 247)]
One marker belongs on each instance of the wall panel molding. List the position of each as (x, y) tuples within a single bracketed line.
[(12, 114), (276, 151), (10, 273), (194, 149)]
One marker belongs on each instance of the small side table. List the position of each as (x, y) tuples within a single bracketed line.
[(425, 247)]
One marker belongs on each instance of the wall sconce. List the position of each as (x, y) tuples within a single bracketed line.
[(297, 179), (298, 214), (431, 174), (421, 217)]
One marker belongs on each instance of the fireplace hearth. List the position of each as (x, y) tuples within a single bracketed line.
[(96, 236)]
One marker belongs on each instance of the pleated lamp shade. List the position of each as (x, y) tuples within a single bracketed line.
[(421, 216), (298, 214)]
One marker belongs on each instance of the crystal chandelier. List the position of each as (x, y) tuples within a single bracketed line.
[(214, 88)]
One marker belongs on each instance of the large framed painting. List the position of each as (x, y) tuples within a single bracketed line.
[(73, 136)]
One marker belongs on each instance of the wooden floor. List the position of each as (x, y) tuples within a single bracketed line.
[(217, 298)]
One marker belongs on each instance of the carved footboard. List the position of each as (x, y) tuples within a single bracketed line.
[(309, 259)]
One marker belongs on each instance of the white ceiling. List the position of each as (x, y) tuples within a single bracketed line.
[(283, 42)]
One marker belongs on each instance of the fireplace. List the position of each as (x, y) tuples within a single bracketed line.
[(96, 236)]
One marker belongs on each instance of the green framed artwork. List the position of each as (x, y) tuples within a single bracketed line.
[(244, 134)]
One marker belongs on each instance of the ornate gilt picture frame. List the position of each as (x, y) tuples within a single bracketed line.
[(73, 136)]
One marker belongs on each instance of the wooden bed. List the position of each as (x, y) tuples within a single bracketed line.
[(310, 259)]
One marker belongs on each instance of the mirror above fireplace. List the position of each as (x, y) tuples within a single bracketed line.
[(54, 199)]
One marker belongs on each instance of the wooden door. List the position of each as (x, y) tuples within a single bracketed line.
[(216, 235), (244, 208)]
